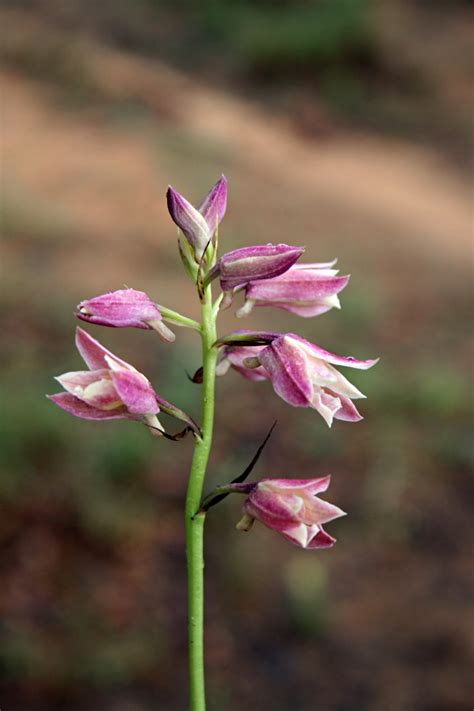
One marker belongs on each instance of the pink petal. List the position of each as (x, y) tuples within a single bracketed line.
[(348, 361), (78, 408), (277, 512), (322, 539), (298, 535), (348, 411), (312, 486), (296, 285), (261, 261), (135, 392), (305, 311), (214, 205), (93, 352), (94, 387), (288, 368), (326, 405), (189, 220)]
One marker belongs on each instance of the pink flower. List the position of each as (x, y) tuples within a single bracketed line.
[(111, 389), (125, 308), (304, 289), (290, 507), (301, 373)]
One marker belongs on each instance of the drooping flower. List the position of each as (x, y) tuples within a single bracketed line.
[(199, 225), (125, 308), (290, 507), (111, 389), (304, 289), (303, 375), (264, 261)]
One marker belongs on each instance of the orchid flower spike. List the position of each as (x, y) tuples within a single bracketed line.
[(264, 261), (199, 225), (304, 289), (125, 308), (111, 389), (290, 507)]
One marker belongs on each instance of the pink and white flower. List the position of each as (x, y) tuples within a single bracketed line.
[(301, 373), (111, 389), (290, 507), (304, 376)]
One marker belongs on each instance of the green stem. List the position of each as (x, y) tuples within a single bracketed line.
[(195, 521), (178, 319)]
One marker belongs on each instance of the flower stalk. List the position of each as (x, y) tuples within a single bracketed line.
[(194, 518)]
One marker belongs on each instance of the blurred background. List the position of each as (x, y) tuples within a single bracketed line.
[(343, 125)]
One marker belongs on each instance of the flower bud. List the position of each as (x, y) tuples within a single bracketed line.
[(126, 308), (199, 225), (264, 261)]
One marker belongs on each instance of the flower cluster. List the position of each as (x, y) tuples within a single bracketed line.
[(301, 373)]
